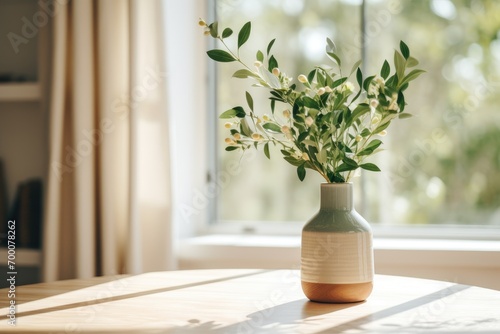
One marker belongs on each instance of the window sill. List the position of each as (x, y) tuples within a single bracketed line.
[(465, 261)]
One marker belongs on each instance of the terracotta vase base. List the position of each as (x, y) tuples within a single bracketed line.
[(337, 293)]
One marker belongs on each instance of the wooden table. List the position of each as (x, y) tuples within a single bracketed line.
[(246, 301)]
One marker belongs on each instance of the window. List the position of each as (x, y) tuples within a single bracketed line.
[(439, 167)]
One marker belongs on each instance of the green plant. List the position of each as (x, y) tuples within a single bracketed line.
[(323, 126)]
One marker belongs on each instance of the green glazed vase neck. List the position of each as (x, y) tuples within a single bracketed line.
[(337, 196)]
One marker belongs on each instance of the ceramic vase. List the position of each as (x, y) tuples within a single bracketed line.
[(337, 253)]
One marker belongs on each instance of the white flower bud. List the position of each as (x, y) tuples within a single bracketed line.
[(358, 138), (382, 133), (285, 129), (276, 71), (375, 120), (305, 156), (286, 113), (256, 136), (202, 23), (394, 106), (265, 118), (321, 91), (379, 80), (373, 103), (229, 141), (228, 125), (302, 78), (309, 120), (348, 87), (237, 136), (257, 63), (328, 89), (206, 33)]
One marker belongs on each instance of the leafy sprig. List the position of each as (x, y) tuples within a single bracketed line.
[(328, 125)]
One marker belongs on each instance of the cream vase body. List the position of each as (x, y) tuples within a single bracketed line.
[(337, 253)]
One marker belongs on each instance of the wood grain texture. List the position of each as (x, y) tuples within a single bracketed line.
[(246, 301)]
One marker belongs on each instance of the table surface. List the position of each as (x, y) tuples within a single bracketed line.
[(246, 301)]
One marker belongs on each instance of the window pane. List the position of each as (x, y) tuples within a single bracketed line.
[(439, 167), (443, 165)]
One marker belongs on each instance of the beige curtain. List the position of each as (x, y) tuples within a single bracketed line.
[(108, 201)]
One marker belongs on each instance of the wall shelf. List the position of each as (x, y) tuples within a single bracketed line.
[(22, 91)]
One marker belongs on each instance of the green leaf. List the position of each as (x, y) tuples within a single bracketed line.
[(228, 114), (339, 82), (260, 56), (273, 104), (355, 66), (272, 127), (234, 112), (266, 151), (322, 155), (272, 63), (404, 49), (411, 76), (360, 110), (240, 112), (330, 45), (334, 57), (411, 62), (301, 172), (308, 142), (244, 128), (227, 32), (345, 167), (309, 102), (359, 77), (231, 148), (372, 146), (392, 81), (381, 127), (400, 64), (350, 162), (405, 115), (365, 132), (249, 100), (367, 82), (213, 29), (302, 136), (285, 153), (321, 79), (386, 69), (220, 56), (244, 73), (270, 45), (271, 80), (370, 166), (310, 76), (244, 34), (292, 161)]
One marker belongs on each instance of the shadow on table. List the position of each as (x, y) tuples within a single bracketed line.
[(282, 318), (106, 295), (419, 324), (285, 318)]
